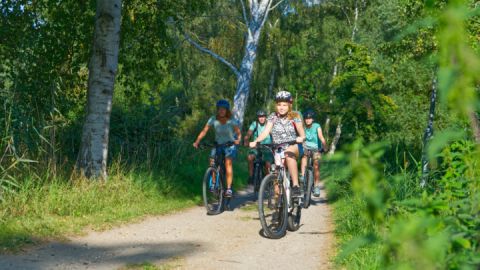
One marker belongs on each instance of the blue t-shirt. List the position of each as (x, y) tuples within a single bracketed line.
[(223, 133), (258, 131), (311, 133)]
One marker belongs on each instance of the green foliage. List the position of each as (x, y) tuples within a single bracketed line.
[(360, 94)]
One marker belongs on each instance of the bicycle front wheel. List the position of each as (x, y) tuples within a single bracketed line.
[(213, 191), (308, 187), (257, 178), (272, 207)]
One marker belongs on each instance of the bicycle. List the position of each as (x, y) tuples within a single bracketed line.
[(214, 182), (258, 171), (309, 176), (278, 211)]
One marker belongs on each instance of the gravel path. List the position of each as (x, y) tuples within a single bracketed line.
[(193, 240)]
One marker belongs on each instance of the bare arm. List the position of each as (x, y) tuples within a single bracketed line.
[(322, 139), (247, 137), (239, 134), (301, 133), (262, 135), (201, 135)]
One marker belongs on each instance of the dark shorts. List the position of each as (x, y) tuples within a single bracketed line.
[(267, 154), (230, 151)]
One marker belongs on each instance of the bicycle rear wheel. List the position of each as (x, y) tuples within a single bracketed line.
[(308, 187), (213, 191), (272, 207)]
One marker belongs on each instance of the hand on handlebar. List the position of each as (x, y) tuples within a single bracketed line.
[(195, 144)]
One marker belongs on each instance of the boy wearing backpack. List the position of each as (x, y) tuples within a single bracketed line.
[(254, 130)]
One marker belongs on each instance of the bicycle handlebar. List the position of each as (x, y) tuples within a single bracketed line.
[(205, 145)]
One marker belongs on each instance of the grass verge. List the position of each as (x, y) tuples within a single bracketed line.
[(52, 210)]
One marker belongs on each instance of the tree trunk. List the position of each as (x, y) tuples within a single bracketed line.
[(330, 104), (338, 130), (92, 158), (259, 11), (475, 123), (428, 133), (269, 91), (336, 138)]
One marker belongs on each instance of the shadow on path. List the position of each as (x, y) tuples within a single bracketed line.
[(82, 256)]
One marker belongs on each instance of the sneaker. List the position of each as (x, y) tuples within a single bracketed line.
[(301, 180), (212, 188), (228, 193), (275, 218), (316, 191), (296, 192)]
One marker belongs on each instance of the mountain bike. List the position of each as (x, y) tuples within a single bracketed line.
[(277, 210), (309, 176), (214, 182), (258, 171)]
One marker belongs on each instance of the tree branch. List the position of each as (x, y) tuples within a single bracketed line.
[(214, 55), (244, 11), (276, 5)]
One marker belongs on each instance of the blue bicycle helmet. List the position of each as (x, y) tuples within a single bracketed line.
[(308, 113), (223, 104), (261, 113)]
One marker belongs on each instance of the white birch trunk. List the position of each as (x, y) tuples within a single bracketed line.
[(338, 130), (336, 138), (259, 10), (475, 124), (92, 158), (428, 133), (330, 103)]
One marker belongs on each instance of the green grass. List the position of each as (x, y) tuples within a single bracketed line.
[(350, 224), (52, 210)]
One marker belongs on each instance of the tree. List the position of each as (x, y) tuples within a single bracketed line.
[(258, 11), (92, 158)]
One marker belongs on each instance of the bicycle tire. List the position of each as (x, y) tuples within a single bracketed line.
[(213, 201), (277, 204), (257, 178), (294, 217), (308, 187)]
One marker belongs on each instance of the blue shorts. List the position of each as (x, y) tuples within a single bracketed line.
[(229, 151)]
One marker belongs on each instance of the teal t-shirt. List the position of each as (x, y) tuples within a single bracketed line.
[(223, 133), (259, 131), (311, 133)]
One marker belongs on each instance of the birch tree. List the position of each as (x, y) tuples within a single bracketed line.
[(338, 129), (428, 133), (92, 158), (255, 14)]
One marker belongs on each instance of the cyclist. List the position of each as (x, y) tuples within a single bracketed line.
[(226, 131), (285, 126), (315, 143), (255, 129)]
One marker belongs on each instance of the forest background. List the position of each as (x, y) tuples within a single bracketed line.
[(370, 69)]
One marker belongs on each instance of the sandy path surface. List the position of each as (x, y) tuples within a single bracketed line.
[(193, 240)]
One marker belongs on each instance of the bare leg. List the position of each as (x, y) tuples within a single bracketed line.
[(316, 170), (229, 172), (304, 164), (292, 163), (250, 158)]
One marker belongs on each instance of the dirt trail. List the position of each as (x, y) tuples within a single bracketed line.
[(193, 240)]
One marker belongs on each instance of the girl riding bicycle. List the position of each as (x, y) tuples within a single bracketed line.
[(286, 127), (315, 142), (226, 131)]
